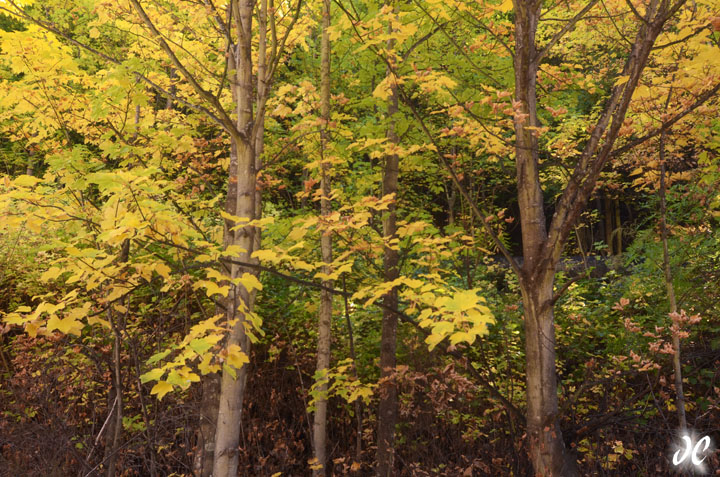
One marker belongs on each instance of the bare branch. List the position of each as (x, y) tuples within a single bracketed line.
[(635, 12)]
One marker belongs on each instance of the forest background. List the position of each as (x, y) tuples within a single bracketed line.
[(417, 237)]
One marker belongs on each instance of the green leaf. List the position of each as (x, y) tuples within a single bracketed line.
[(152, 375), (158, 356), (200, 345)]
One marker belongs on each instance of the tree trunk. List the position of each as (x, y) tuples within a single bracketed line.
[(117, 426), (607, 206), (388, 406), (325, 314), (206, 429), (547, 449), (542, 248), (618, 227), (242, 204), (677, 366)]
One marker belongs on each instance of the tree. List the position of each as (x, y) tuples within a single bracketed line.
[(326, 299), (542, 248), (388, 407)]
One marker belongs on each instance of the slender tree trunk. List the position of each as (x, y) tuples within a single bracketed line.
[(262, 88), (117, 426), (388, 407), (600, 223), (547, 449), (618, 227), (677, 366), (607, 206), (115, 430), (206, 428), (232, 387), (325, 314), (353, 356)]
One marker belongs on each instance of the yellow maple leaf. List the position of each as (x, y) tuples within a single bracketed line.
[(161, 389)]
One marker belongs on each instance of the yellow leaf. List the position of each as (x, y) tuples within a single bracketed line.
[(622, 80), (152, 375), (266, 255), (232, 250), (94, 320), (26, 181), (463, 337), (433, 341), (163, 270), (505, 6), (412, 283), (161, 389), (236, 357), (94, 33), (31, 329), (250, 282), (382, 90), (462, 301), (212, 288), (52, 323), (50, 274), (206, 366), (233, 218), (297, 233), (69, 325)]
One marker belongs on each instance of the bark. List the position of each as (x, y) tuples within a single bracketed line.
[(262, 88), (241, 204), (325, 313), (677, 366), (388, 406), (358, 402), (203, 465), (548, 453)]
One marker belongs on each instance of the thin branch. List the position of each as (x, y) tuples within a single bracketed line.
[(568, 26), (225, 119), (421, 40), (635, 12), (458, 48), (702, 99), (52, 29), (481, 216)]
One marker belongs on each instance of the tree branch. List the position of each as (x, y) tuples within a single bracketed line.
[(702, 99), (568, 26), (225, 119), (53, 29)]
